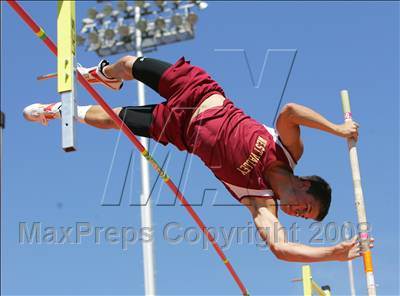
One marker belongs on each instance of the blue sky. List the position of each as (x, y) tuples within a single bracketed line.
[(352, 45)]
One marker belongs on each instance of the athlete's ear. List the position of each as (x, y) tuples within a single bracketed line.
[(305, 185)]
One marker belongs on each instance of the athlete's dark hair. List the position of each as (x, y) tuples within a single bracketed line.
[(321, 191)]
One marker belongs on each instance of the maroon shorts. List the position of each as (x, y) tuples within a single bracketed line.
[(184, 87)]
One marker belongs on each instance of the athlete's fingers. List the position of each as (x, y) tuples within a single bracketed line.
[(354, 240), (371, 242)]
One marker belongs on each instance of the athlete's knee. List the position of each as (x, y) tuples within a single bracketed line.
[(117, 110), (109, 122), (105, 121), (126, 63)]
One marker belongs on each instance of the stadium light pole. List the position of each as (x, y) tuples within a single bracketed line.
[(155, 23), (146, 213)]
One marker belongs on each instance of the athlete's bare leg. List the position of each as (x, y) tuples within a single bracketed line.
[(97, 117), (122, 69)]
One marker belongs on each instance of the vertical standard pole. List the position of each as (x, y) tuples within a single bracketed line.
[(148, 253), (306, 276), (351, 278), (350, 269), (309, 285), (66, 43), (359, 200)]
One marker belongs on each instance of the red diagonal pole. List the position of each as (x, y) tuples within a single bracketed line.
[(53, 48)]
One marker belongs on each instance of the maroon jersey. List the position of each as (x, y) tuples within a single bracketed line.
[(236, 148)]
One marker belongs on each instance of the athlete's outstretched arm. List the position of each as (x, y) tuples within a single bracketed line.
[(294, 115), (274, 235)]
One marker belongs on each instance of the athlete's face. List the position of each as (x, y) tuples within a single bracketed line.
[(300, 203), (304, 207)]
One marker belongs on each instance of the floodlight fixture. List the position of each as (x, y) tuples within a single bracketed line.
[(130, 9), (80, 40), (202, 5), (92, 13), (160, 4), (110, 30), (87, 21), (122, 5), (94, 46), (124, 30), (109, 34), (93, 37), (100, 17), (177, 20), (160, 23), (140, 3), (142, 25), (108, 9), (192, 18)]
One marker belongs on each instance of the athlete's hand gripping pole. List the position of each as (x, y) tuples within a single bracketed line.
[(359, 200)]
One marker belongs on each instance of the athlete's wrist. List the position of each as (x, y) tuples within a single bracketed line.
[(340, 252), (333, 253), (336, 129)]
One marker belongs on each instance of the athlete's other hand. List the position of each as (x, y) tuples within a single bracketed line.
[(348, 250), (349, 130)]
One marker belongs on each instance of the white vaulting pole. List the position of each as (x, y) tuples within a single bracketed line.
[(148, 252), (359, 200)]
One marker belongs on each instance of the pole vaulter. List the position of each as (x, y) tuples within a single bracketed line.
[(53, 48)]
